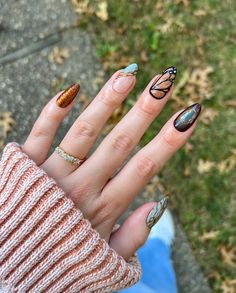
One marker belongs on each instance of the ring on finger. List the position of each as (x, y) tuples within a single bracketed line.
[(68, 157)]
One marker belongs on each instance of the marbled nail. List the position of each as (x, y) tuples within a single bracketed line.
[(186, 118), (156, 212), (68, 96), (163, 83), (131, 69), (125, 79)]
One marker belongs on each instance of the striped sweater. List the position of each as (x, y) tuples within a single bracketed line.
[(45, 243)]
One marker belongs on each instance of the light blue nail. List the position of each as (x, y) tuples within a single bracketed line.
[(130, 69)]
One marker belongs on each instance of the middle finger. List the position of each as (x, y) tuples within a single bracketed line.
[(124, 137)]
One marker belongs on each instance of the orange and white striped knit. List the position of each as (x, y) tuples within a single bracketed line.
[(45, 243)]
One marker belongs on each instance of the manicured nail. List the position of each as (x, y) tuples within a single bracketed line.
[(125, 78), (186, 118), (156, 213), (163, 83), (68, 96), (131, 69)]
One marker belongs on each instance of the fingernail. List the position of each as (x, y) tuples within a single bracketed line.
[(125, 78), (186, 118), (163, 83), (156, 213), (68, 96)]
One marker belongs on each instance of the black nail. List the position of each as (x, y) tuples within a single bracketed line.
[(186, 118), (163, 83)]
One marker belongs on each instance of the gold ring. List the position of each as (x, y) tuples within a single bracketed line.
[(67, 157)]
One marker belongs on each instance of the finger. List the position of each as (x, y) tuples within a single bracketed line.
[(42, 134), (126, 135), (140, 223), (147, 162), (89, 124)]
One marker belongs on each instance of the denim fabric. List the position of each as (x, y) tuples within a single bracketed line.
[(158, 273)]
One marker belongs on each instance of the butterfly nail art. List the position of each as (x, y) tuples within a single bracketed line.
[(163, 83)]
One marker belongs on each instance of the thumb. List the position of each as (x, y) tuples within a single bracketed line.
[(135, 230)]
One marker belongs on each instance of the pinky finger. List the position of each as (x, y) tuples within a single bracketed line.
[(140, 223), (42, 134)]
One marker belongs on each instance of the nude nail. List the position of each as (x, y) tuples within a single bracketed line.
[(67, 97), (125, 78), (156, 212)]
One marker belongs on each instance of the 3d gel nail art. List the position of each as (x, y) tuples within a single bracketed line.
[(186, 118), (156, 213), (163, 83)]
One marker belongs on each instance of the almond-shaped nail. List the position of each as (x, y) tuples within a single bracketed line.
[(186, 118), (163, 83), (67, 97), (156, 212), (125, 78)]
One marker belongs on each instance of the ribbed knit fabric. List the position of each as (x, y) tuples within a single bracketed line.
[(45, 243)]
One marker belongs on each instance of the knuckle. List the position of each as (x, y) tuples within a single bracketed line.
[(171, 139), (109, 98), (146, 167), (147, 108), (38, 131), (122, 142), (84, 128), (50, 114)]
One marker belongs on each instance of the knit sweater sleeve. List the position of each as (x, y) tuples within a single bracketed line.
[(45, 243)]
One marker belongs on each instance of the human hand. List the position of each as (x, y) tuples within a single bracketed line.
[(96, 191)]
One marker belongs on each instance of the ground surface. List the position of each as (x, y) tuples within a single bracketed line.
[(44, 48)]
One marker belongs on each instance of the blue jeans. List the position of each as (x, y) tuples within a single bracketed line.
[(158, 273)]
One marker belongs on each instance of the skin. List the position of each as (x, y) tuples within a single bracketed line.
[(101, 199)]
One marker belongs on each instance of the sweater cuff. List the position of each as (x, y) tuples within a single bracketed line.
[(45, 243)]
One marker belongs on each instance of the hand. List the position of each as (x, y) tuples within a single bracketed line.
[(100, 196)]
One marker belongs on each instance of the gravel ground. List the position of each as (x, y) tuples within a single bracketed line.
[(28, 34)]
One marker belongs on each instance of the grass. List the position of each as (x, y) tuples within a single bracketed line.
[(157, 34)]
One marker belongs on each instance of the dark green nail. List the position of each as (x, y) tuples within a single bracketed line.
[(156, 212), (186, 118)]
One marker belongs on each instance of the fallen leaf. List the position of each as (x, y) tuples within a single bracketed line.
[(83, 7), (185, 2), (227, 165), (210, 235), (102, 11), (208, 115), (199, 85), (205, 166), (6, 125), (188, 147), (231, 103), (228, 286), (153, 188), (200, 12), (58, 55), (187, 171), (228, 255), (143, 56)]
